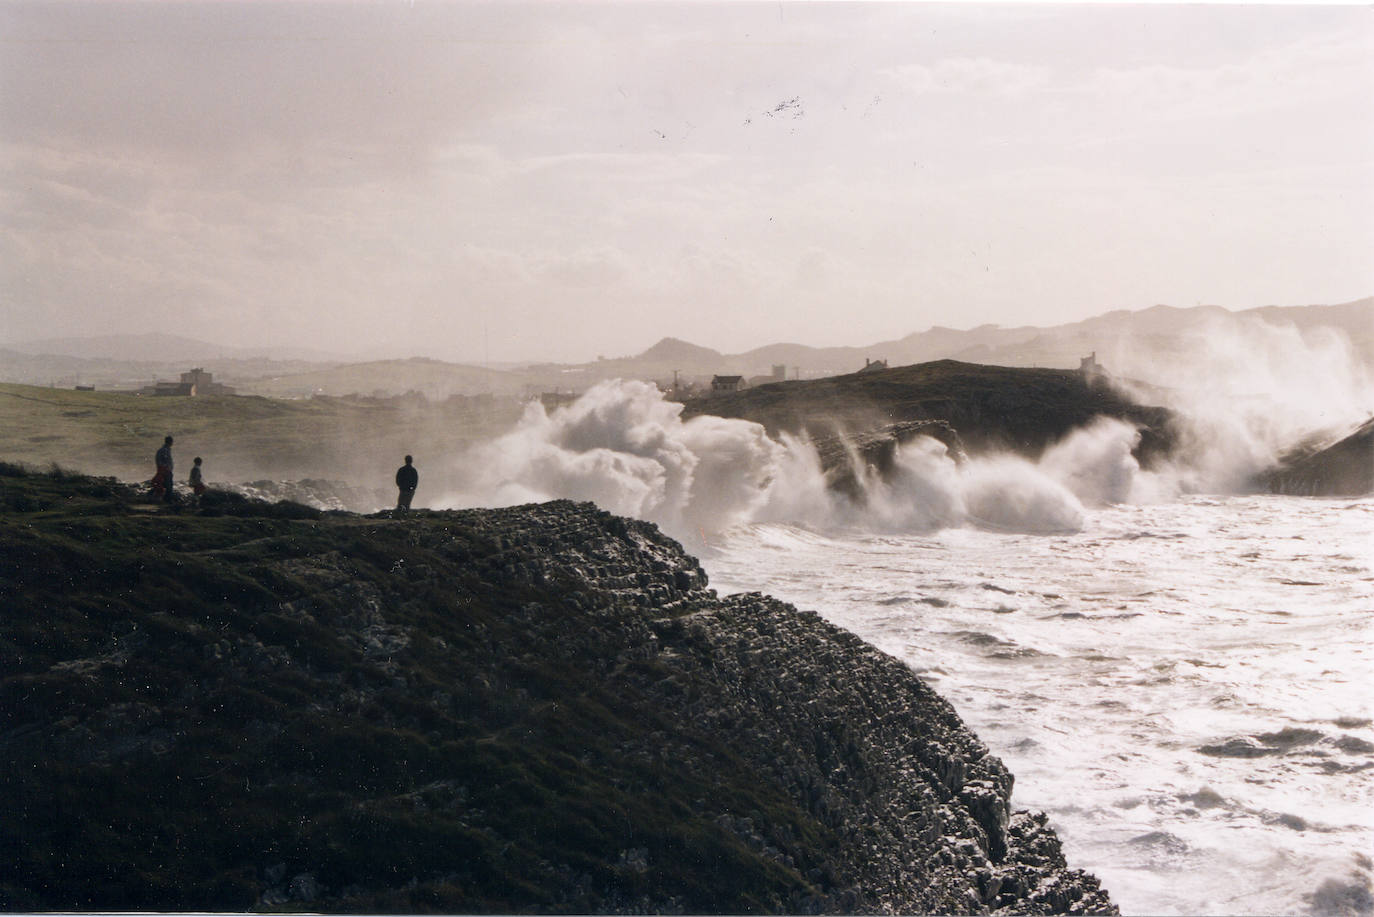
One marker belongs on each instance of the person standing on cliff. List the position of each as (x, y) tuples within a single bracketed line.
[(407, 479), (197, 481), (162, 481)]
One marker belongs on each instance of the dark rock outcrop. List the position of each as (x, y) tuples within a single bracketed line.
[(531, 709), (841, 455), (1345, 469), (992, 408)]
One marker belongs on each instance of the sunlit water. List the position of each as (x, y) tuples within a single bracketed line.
[(1184, 687)]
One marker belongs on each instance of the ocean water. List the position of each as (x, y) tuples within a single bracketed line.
[(1186, 687), (1182, 682)]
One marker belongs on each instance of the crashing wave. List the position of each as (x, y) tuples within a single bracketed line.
[(624, 447)]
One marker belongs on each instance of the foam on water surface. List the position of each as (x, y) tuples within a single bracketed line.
[(1181, 681), (1165, 683)]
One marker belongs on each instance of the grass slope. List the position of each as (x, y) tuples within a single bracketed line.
[(242, 438)]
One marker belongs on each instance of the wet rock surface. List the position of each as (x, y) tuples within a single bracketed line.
[(840, 455), (541, 708), (1345, 469), (992, 408)]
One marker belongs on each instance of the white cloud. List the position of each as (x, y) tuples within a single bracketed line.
[(593, 177)]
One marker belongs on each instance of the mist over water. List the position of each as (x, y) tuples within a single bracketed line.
[(1248, 391)]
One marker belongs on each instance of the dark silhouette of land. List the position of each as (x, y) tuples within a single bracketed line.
[(539, 709), (980, 408), (1343, 469)]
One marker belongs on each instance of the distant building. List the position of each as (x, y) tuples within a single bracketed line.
[(195, 382), (1090, 369), (779, 372), (85, 388), (204, 383), (727, 383), (873, 366)]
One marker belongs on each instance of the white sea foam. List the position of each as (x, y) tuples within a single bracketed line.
[(624, 447), (1181, 681), (1183, 686)]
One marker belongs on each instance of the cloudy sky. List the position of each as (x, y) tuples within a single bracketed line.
[(493, 181)]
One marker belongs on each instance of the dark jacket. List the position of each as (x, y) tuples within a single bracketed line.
[(164, 457), (407, 478)]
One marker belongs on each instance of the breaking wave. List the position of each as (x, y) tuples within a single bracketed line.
[(624, 447)]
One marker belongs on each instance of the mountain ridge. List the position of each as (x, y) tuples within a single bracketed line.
[(674, 358)]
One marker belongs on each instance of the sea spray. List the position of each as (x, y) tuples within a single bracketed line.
[(624, 447), (1096, 462), (1246, 391)]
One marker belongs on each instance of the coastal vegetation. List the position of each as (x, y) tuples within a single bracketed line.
[(242, 437)]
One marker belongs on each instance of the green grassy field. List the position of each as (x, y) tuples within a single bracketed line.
[(240, 438)]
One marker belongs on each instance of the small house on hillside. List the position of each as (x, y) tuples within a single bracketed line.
[(204, 383), (873, 366), (195, 382), (726, 383)]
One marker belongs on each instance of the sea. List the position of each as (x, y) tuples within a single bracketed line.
[(1178, 672), (1184, 687)]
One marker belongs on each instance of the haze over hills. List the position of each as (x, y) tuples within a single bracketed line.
[(137, 359), (157, 347)]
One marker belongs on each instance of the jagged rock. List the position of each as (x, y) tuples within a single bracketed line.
[(541, 708), (844, 457), (1345, 469)]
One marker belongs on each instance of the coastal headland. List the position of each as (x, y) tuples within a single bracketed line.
[(970, 407), (542, 708)]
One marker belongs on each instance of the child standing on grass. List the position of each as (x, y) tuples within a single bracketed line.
[(197, 482)]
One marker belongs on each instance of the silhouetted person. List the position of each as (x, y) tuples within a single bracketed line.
[(162, 481), (407, 479), (197, 482)]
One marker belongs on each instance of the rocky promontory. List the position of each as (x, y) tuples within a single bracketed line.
[(248, 705), (1343, 469), (967, 406)]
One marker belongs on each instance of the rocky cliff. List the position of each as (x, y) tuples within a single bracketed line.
[(1344, 469), (968, 406), (533, 709)]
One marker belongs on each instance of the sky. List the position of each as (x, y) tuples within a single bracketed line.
[(495, 182)]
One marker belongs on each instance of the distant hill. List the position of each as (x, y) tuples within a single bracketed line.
[(156, 347), (1060, 345), (434, 378), (674, 350), (133, 360), (106, 373)]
